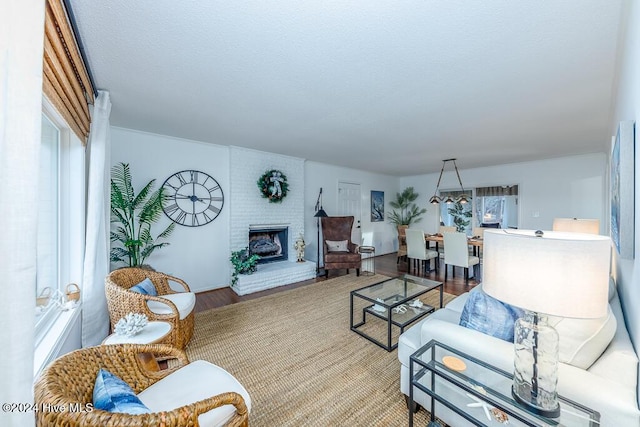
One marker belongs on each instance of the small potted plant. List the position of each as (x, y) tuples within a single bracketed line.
[(243, 263)]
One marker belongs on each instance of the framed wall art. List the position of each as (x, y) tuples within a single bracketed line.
[(377, 206), (622, 192)]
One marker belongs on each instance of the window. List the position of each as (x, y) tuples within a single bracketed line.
[(456, 214), (60, 229), (48, 233), (497, 206)]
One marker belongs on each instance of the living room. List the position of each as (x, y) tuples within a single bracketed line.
[(574, 184)]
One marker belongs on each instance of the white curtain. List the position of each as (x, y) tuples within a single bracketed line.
[(95, 317), (21, 47)]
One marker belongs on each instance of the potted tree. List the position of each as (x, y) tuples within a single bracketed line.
[(405, 210), (461, 216), (134, 214)]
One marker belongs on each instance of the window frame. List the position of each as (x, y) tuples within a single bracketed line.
[(54, 326)]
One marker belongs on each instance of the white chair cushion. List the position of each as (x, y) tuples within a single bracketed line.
[(192, 383), (184, 301)]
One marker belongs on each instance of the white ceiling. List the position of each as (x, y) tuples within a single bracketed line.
[(389, 86)]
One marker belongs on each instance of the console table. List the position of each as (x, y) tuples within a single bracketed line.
[(479, 392)]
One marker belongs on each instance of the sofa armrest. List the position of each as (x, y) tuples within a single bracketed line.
[(616, 403)]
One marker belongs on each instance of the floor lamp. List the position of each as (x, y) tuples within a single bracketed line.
[(320, 213)]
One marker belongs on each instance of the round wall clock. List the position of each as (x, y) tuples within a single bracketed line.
[(194, 198)]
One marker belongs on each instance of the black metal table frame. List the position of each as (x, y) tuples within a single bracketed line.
[(465, 385), (400, 299)]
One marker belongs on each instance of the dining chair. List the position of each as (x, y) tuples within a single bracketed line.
[(444, 229), (491, 225), (402, 243), (447, 229), (418, 252), (477, 232), (457, 255), (575, 225)]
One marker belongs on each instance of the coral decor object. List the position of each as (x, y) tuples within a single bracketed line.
[(131, 324)]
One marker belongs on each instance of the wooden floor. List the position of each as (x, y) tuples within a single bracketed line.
[(384, 264)]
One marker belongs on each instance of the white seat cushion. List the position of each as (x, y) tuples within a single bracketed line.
[(192, 383), (184, 301)]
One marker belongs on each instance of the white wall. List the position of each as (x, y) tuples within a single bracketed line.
[(563, 187), (328, 176), (628, 108), (198, 255)]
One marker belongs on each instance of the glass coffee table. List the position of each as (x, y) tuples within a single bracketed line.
[(391, 301)]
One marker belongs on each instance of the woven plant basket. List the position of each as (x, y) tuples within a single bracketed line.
[(44, 297), (73, 292)]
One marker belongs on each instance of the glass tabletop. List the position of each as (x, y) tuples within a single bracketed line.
[(396, 290)]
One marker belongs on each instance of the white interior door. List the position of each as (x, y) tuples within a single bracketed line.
[(349, 201)]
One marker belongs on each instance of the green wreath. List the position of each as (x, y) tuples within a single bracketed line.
[(273, 185)]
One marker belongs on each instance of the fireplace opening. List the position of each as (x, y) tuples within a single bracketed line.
[(269, 243)]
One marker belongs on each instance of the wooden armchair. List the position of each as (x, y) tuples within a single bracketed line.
[(338, 229), (171, 306), (68, 383)]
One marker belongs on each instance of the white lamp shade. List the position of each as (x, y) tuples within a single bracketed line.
[(559, 274), (575, 225)]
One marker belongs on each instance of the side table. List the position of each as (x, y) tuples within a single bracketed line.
[(154, 332), (479, 393), (368, 261)]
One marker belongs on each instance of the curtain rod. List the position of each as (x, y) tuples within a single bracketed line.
[(76, 34)]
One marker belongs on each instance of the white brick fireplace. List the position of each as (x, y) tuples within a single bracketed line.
[(249, 211)]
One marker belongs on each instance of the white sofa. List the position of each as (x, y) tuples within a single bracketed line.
[(609, 385)]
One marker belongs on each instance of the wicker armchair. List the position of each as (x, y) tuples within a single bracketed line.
[(68, 383), (121, 301)]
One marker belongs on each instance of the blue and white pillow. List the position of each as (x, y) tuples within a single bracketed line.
[(145, 287), (112, 394), (486, 314)]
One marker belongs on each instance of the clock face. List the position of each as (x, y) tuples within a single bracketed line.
[(194, 198)]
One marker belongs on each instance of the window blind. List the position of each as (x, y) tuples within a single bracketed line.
[(66, 82), (501, 190)]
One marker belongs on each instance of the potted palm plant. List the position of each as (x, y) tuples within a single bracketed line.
[(132, 241), (405, 210)]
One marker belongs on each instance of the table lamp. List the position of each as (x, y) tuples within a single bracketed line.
[(545, 273), (575, 225)]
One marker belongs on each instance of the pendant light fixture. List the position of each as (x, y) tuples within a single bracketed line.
[(462, 198)]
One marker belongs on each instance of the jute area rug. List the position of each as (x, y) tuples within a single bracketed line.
[(301, 364)]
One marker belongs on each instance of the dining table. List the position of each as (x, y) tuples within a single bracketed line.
[(475, 242)]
